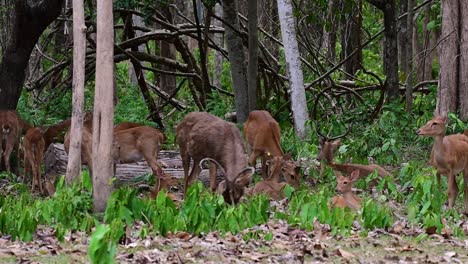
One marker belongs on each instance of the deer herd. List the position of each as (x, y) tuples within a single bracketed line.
[(204, 138)]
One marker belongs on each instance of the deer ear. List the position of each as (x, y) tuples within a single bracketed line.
[(287, 156), (245, 177), (444, 119), (355, 175), (221, 187)]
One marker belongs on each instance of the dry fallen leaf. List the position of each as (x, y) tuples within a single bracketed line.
[(345, 254)]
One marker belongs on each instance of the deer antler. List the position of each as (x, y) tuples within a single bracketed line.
[(215, 162)]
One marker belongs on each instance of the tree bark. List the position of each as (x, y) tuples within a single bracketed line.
[(448, 56), (388, 7), (103, 107), (330, 32), (218, 57), (253, 54), (293, 64), (403, 38), (463, 74), (409, 58), (237, 59), (79, 59), (29, 23), (351, 39)]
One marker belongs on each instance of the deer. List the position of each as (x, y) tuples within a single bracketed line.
[(271, 188), (205, 137), (283, 167), (142, 142), (35, 143), (263, 134), (126, 125), (449, 156), (465, 132), (344, 186), (327, 148), (12, 127)]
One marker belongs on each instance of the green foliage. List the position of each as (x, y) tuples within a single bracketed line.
[(375, 215), (102, 245)]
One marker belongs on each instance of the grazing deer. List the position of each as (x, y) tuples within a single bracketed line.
[(202, 136), (449, 156), (271, 188), (12, 127), (327, 148), (344, 186), (141, 142), (126, 125), (263, 134)]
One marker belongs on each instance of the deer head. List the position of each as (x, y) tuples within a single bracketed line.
[(345, 184), (286, 167), (232, 190), (328, 145), (434, 127)]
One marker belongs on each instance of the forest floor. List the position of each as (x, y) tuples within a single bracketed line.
[(273, 242)]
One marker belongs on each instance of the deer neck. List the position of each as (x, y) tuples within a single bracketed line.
[(439, 146), (351, 199)]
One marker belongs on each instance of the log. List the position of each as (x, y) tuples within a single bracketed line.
[(55, 160)]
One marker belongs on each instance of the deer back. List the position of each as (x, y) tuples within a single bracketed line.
[(263, 133)]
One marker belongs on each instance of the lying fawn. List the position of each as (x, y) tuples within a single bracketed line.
[(271, 188), (344, 186), (449, 156), (202, 136), (284, 169)]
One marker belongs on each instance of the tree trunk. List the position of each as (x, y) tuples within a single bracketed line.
[(237, 60), (390, 59), (448, 56), (409, 58), (253, 54), (293, 63), (403, 38), (351, 39), (138, 22), (330, 31), (218, 57), (103, 107), (29, 23), (79, 59), (463, 73), (6, 22)]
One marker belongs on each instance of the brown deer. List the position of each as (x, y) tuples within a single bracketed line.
[(202, 136), (141, 142), (344, 186), (35, 143), (263, 134), (34, 147), (12, 127), (126, 125), (466, 132), (327, 148), (449, 156), (284, 169), (271, 188)]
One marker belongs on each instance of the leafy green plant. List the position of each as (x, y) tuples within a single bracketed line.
[(102, 247), (376, 215)]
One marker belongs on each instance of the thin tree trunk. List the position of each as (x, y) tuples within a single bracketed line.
[(463, 82), (403, 38), (253, 54), (103, 107), (331, 30), (449, 51), (237, 60), (388, 7), (352, 39), (293, 63), (409, 58), (79, 58), (218, 57)]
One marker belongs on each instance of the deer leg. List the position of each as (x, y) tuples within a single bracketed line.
[(38, 174), (452, 189), (213, 177), (193, 175), (264, 167), (6, 157), (185, 161), (253, 157)]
